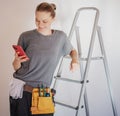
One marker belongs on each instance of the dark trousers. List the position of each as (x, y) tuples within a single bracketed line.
[(21, 107)]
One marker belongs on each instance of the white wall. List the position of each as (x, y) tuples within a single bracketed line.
[(17, 16)]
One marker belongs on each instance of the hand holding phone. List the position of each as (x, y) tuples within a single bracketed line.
[(19, 50)]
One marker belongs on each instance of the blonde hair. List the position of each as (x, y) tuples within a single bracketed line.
[(48, 7)]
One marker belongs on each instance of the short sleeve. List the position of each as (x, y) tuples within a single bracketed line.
[(21, 41), (67, 47)]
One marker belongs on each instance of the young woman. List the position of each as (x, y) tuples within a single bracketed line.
[(44, 47)]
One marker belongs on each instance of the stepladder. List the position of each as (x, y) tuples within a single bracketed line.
[(78, 86)]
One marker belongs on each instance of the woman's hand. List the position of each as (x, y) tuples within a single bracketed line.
[(18, 60), (74, 65)]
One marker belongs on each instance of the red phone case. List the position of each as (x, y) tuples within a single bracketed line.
[(19, 49)]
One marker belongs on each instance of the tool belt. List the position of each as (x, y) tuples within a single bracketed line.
[(28, 88), (42, 101)]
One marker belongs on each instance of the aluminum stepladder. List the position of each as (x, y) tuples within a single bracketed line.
[(84, 73)]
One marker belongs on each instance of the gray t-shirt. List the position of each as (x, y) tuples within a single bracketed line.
[(44, 53)]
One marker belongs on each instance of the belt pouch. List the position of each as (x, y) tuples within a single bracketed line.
[(41, 105)]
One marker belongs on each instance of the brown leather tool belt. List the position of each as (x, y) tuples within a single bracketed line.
[(28, 88)]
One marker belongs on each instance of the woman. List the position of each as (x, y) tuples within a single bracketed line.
[(44, 47)]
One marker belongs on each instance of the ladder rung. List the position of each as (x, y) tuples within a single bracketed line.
[(66, 79), (72, 107), (84, 59), (93, 58)]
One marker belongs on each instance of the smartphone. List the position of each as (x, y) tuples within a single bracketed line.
[(19, 50)]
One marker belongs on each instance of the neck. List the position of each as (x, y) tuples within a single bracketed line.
[(45, 32)]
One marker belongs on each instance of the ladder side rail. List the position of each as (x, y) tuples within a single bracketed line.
[(81, 71), (89, 57), (59, 72), (107, 71), (73, 25)]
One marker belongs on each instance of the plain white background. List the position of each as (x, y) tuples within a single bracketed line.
[(17, 16)]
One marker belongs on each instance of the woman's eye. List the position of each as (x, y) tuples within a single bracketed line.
[(44, 21)]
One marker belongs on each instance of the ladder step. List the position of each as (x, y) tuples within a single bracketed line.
[(93, 58), (69, 106), (85, 59), (66, 79)]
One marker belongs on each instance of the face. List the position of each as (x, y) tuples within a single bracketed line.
[(43, 20)]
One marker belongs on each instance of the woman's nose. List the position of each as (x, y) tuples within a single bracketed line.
[(40, 23)]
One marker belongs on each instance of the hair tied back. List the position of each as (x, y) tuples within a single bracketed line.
[(53, 6)]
